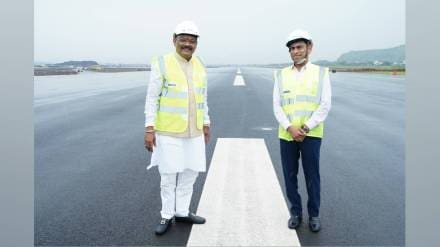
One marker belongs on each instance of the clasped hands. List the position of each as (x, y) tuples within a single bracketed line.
[(298, 134)]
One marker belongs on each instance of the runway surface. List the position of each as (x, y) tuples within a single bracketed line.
[(92, 188)]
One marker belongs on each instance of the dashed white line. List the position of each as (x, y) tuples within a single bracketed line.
[(239, 81)]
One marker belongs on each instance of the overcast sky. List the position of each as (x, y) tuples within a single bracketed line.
[(231, 31)]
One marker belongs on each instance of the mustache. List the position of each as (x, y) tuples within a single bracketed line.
[(187, 47)]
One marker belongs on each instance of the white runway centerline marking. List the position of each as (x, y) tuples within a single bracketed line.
[(242, 199), (239, 81)]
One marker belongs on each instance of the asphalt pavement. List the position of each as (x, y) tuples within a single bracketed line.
[(92, 188)]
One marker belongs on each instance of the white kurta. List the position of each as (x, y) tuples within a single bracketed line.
[(175, 154)]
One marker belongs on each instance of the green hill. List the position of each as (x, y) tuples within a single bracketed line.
[(395, 55), (78, 63)]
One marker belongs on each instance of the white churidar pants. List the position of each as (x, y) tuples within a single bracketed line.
[(176, 191)]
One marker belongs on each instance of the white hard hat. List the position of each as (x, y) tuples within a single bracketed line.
[(298, 34), (187, 27)]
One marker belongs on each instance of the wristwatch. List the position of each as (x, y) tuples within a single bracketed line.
[(305, 128)]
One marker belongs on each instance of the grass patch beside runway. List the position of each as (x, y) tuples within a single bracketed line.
[(389, 70)]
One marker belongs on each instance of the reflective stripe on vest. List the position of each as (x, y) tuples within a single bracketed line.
[(299, 114), (171, 109), (200, 106)]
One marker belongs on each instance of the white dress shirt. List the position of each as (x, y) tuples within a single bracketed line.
[(321, 112), (154, 90)]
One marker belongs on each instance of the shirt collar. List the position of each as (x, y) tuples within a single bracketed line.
[(302, 69)]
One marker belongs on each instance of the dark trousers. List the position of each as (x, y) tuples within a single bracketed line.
[(308, 150)]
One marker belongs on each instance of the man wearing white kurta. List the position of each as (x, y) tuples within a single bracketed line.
[(177, 125)]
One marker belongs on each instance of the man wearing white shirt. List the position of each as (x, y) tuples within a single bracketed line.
[(177, 125), (301, 102)]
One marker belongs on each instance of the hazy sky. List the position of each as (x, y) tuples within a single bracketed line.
[(231, 31)]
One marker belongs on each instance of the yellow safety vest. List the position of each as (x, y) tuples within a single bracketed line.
[(172, 114), (299, 98)]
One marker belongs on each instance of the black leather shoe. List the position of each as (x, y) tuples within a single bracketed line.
[(294, 221), (191, 219), (163, 226), (314, 224)]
